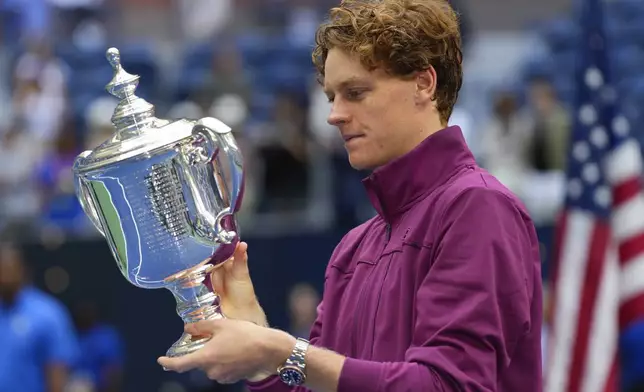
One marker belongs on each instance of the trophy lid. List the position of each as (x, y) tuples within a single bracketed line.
[(132, 113), (133, 117)]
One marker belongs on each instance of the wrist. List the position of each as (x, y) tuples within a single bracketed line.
[(259, 377), (258, 316), (278, 350)]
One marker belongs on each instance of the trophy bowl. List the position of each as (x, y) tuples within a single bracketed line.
[(164, 195)]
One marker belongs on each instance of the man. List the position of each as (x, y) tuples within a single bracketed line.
[(440, 291), (36, 333), (99, 367)]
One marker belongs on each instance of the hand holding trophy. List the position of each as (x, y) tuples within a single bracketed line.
[(158, 193)]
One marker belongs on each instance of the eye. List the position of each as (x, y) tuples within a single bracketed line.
[(330, 99), (354, 95)]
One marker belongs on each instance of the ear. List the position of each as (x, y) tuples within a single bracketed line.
[(425, 86)]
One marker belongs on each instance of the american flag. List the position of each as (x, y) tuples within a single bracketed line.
[(599, 244)]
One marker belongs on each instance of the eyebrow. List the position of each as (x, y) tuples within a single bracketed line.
[(346, 83)]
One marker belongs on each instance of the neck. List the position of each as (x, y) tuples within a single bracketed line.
[(8, 299), (425, 130)]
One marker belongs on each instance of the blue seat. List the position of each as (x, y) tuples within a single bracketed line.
[(539, 67), (625, 11), (196, 63), (560, 34), (10, 27), (262, 106), (565, 62), (628, 62), (280, 76), (256, 50), (81, 59), (198, 57)]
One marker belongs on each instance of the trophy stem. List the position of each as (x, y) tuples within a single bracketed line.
[(195, 302)]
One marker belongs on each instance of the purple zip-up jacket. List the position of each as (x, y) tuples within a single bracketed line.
[(441, 291)]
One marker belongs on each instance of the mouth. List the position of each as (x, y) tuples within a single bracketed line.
[(347, 138)]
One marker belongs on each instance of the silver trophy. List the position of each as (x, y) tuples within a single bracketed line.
[(164, 195)]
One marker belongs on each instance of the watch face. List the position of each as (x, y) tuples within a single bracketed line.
[(292, 377)]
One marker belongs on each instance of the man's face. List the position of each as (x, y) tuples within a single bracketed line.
[(11, 273), (377, 114), (542, 97)]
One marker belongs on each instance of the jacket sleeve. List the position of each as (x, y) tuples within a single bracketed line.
[(472, 306)]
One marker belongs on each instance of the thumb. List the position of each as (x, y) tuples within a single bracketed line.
[(202, 328), (239, 267), (217, 281)]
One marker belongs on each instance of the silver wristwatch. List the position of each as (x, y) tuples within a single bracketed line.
[(293, 371)]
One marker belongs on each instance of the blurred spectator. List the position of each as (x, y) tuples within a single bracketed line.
[(40, 91), (505, 142), (303, 20), (61, 209), (98, 121), (22, 20), (302, 304), (551, 127), (20, 155), (462, 118), (204, 19), (100, 364), (36, 334), (225, 82), (283, 148), (70, 14)]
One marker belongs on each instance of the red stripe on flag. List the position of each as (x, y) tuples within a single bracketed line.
[(626, 190), (631, 310), (630, 248), (612, 383), (592, 280)]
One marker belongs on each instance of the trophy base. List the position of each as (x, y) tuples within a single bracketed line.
[(195, 302), (186, 345)]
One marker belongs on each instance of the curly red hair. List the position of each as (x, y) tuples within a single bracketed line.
[(401, 37)]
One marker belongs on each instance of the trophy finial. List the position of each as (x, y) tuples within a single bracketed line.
[(132, 111), (114, 58)]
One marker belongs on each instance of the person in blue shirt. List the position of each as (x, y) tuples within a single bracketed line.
[(632, 357), (37, 339), (100, 364)]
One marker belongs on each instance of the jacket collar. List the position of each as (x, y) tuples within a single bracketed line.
[(394, 187)]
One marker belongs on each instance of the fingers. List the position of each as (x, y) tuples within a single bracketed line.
[(196, 359), (217, 281), (204, 328), (239, 267), (190, 328), (183, 363)]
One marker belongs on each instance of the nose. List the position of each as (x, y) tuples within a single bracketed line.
[(338, 115)]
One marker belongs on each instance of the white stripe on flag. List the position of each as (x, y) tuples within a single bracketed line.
[(624, 162), (602, 340), (627, 219), (632, 278), (570, 277)]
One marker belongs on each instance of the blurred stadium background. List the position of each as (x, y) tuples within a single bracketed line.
[(247, 62)]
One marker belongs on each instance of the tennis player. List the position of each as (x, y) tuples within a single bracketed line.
[(441, 291)]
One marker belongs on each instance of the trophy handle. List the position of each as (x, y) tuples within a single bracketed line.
[(85, 199), (218, 137)]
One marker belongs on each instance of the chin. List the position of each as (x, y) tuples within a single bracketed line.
[(361, 162)]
